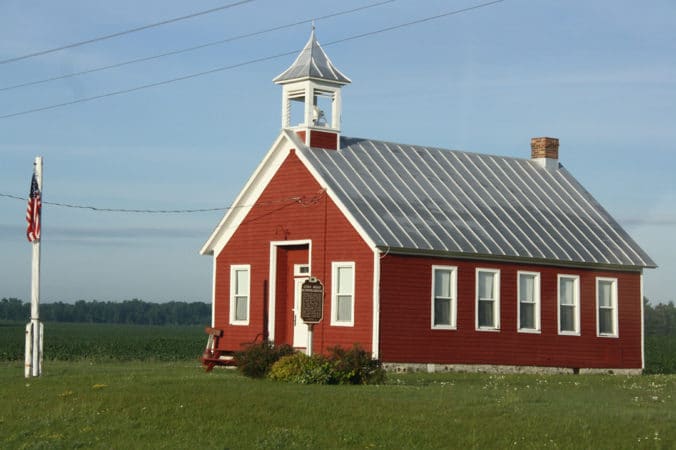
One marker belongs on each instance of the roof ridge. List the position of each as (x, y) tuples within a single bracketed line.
[(437, 148)]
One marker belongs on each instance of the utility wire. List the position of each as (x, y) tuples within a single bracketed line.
[(197, 47), (302, 200), (249, 62), (122, 33)]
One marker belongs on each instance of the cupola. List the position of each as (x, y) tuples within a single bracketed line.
[(311, 103)]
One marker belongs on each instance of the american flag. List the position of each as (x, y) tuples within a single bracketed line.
[(33, 212)]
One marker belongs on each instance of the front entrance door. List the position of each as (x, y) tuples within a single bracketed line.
[(292, 269), (299, 327)]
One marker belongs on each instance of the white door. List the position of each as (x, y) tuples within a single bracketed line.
[(299, 327)]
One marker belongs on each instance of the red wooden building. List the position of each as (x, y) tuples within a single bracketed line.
[(429, 257)]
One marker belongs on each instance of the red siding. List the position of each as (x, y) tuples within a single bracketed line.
[(294, 207), (406, 334)]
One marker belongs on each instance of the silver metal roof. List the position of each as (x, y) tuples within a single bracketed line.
[(312, 62), (414, 198)]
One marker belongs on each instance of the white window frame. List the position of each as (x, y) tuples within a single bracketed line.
[(234, 293), (536, 301), (301, 270), (576, 303), (334, 293), (453, 299), (496, 300), (613, 300)]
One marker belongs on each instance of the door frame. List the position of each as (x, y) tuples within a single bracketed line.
[(272, 286)]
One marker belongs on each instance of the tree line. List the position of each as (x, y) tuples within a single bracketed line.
[(660, 319), (133, 311)]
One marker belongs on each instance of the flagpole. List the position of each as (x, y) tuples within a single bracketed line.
[(34, 329)]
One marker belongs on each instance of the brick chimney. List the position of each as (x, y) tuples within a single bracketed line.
[(545, 152)]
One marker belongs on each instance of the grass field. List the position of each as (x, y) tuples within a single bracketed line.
[(177, 405), (111, 386)]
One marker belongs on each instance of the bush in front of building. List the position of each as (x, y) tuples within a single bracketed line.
[(300, 368), (341, 366), (355, 366), (256, 359)]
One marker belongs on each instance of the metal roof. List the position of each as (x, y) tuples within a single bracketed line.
[(415, 198), (312, 62)]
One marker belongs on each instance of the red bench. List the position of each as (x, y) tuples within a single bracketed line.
[(213, 357)]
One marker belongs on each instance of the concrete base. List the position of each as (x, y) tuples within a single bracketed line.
[(487, 368)]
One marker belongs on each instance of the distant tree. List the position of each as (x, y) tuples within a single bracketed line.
[(14, 309), (133, 311), (660, 320)]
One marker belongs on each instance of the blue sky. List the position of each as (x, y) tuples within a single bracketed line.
[(599, 75)]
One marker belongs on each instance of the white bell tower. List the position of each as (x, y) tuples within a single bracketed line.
[(311, 100)]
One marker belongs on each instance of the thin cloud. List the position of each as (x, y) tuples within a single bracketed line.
[(112, 235)]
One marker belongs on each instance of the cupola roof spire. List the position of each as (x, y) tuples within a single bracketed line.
[(312, 63)]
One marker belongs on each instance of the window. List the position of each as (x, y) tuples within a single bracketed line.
[(569, 304), (342, 294), (488, 299), (444, 287), (606, 306), (239, 294), (529, 301), (301, 270)]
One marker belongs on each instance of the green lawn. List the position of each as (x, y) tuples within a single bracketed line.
[(177, 405)]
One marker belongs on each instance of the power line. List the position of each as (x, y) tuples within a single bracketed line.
[(98, 209), (122, 33), (249, 62), (302, 200), (197, 47)]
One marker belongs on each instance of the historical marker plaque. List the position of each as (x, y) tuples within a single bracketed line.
[(312, 301)]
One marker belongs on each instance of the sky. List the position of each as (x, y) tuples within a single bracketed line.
[(600, 76)]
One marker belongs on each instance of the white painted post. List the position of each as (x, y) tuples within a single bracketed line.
[(29, 350), (35, 309), (310, 326), (34, 328)]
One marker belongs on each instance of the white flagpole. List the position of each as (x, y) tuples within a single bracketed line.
[(34, 328)]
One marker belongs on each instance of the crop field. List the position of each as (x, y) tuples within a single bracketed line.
[(660, 354), (106, 342)]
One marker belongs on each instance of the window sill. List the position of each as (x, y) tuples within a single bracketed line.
[(240, 323), (607, 335), (493, 330), (444, 327), (569, 333), (529, 331), (342, 324)]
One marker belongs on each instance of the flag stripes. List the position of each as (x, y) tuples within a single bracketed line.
[(33, 211)]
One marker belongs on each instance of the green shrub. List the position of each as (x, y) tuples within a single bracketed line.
[(355, 366), (302, 369), (256, 359)]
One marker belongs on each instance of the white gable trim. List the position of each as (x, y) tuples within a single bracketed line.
[(257, 183), (250, 193)]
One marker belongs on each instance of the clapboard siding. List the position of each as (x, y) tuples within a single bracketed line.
[(293, 206), (406, 334)]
